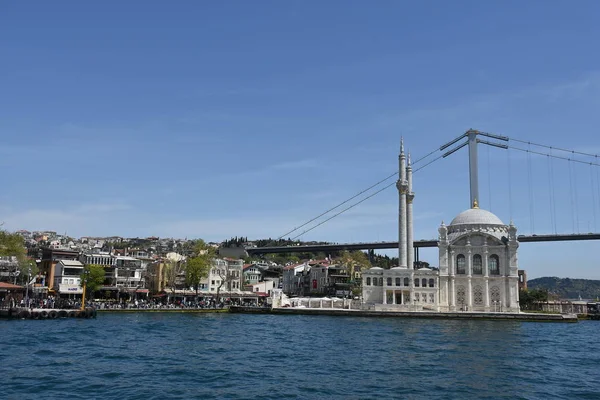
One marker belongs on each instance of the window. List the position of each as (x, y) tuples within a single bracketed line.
[(495, 295), (494, 265), (417, 297), (477, 265), (424, 282), (460, 264), (460, 295), (406, 282), (368, 281), (478, 295), (416, 282), (389, 281), (431, 297), (432, 283), (397, 281), (380, 281)]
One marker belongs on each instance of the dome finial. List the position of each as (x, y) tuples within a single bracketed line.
[(475, 204)]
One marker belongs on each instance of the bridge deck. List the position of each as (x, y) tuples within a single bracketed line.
[(318, 248)]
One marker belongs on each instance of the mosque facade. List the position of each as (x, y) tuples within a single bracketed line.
[(478, 264)]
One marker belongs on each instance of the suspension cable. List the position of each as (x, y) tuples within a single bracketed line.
[(593, 196), (596, 164), (575, 197), (489, 179), (530, 190), (598, 186), (361, 201), (361, 192), (555, 148), (571, 196), (509, 185), (551, 195)]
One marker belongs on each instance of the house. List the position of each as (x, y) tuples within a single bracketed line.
[(51, 257), (67, 277), (293, 280), (261, 287)]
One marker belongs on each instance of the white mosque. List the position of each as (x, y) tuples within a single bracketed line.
[(477, 263)]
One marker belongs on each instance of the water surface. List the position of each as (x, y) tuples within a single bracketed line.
[(236, 356)]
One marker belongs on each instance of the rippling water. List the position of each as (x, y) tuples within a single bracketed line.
[(234, 356)]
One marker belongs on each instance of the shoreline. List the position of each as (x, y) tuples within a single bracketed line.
[(535, 317)]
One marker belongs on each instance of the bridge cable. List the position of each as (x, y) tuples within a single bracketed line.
[(555, 148), (489, 179), (363, 200), (593, 196), (358, 194), (551, 194), (509, 185), (571, 196), (595, 164), (576, 198), (531, 199), (598, 187)]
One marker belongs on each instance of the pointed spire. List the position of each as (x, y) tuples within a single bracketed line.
[(401, 145), (409, 163)]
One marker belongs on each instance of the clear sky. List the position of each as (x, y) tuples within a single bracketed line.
[(215, 119)]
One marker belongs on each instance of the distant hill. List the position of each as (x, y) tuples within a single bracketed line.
[(567, 288)]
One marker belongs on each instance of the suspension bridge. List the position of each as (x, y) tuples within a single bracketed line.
[(573, 160)]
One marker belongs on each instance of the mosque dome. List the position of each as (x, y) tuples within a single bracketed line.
[(476, 216)]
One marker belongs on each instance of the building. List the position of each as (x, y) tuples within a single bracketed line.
[(67, 277), (477, 263), (51, 257)]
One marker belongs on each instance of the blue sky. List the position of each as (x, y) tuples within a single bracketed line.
[(215, 119)]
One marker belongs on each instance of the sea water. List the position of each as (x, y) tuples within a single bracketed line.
[(237, 356)]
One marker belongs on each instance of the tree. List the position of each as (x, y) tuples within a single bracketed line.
[(93, 276), (356, 260), (173, 268), (198, 266), (529, 298), (12, 245)]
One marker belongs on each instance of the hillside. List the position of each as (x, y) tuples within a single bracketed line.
[(566, 288)]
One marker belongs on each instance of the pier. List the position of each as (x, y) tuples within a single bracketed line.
[(46, 313)]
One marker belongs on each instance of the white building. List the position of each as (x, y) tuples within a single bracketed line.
[(67, 277), (477, 263)]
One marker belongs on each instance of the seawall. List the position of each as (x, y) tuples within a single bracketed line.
[(536, 317)]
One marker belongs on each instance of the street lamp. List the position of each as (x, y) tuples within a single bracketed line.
[(27, 287)]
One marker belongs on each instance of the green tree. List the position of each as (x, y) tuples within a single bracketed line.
[(93, 276), (355, 261), (198, 265), (530, 299), (12, 245)]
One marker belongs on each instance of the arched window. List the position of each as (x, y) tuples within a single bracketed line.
[(406, 281), (461, 264), (424, 282), (477, 265), (416, 282), (389, 281), (397, 281), (380, 281), (368, 281), (432, 283), (494, 264)]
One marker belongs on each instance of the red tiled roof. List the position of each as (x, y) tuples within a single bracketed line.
[(5, 285)]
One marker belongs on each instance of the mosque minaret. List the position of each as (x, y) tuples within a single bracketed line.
[(477, 268)]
